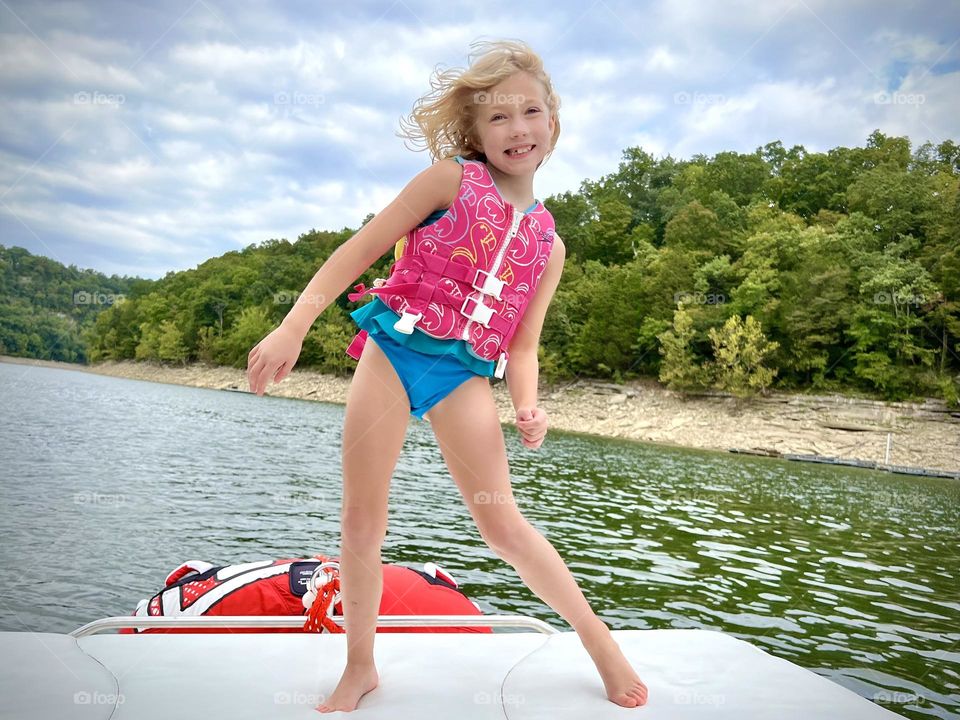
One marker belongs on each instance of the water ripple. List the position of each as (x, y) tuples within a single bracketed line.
[(849, 573)]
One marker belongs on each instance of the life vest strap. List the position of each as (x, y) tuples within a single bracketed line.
[(430, 267), (356, 345), (420, 275)]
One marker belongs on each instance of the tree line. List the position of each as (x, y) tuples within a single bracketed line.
[(781, 268)]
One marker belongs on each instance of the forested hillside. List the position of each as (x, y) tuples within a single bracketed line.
[(47, 307), (779, 268)]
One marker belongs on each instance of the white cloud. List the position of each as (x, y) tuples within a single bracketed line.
[(817, 116), (925, 107), (265, 122), (893, 43), (65, 59), (661, 59)]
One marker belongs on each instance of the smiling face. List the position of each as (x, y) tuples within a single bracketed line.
[(514, 124)]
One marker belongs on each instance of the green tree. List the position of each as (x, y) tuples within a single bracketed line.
[(680, 369), (611, 240), (891, 337), (740, 350), (739, 177), (695, 229), (149, 346), (251, 327), (170, 345)]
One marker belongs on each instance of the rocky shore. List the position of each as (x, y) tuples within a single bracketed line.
[(923, 435)]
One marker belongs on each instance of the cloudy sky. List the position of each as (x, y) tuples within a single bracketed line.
[(140, 138)]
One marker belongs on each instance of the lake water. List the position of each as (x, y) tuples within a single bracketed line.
[(108, 484)]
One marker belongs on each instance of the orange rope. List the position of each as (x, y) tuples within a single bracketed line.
[(317, 617)]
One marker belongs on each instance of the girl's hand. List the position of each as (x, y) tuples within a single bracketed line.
[(532, 424), (273, 357)]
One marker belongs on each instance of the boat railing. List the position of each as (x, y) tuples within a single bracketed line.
[(293, 621)]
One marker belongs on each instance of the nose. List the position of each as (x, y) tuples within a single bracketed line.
[(518, 127)]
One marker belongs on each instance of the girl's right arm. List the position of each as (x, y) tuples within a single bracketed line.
[(432, 189)]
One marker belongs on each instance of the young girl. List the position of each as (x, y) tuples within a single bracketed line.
[(465, 301)]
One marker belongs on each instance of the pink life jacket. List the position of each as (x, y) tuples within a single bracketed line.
[(471, 274)]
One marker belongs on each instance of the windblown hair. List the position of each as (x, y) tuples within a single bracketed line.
[(444, 120)]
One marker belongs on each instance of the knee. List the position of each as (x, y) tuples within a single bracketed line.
[(360, 527), (506, 535)]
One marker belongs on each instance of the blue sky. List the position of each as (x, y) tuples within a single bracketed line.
[(141, 138)]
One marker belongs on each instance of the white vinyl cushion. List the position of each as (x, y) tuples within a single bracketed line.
[(517, 675), (689, 674), (46, 675)]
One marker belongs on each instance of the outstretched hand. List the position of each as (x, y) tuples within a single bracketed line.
[(273, 358), (532, 424)]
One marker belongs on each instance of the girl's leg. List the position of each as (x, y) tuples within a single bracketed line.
[(376, 421), (468, 431)]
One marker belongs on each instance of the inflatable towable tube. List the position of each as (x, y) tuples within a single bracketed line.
[(308, 587)]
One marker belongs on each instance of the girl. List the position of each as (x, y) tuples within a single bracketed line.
[(475, 277)]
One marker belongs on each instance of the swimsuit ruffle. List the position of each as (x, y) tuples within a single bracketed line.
[(376, 317)]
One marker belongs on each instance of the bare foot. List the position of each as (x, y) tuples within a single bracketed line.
[(622, 684), (356, 681)]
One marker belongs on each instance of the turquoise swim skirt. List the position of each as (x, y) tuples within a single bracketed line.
[(427, 377)]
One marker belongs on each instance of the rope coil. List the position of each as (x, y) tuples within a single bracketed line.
[(323, 594)]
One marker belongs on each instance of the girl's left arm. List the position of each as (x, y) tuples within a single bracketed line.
[(523, 369)]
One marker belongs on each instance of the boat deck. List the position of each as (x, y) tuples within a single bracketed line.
[(514, 675)]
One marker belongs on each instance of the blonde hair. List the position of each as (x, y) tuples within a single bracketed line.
[(444, 120)]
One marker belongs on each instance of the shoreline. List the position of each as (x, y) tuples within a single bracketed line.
[(922, 435)]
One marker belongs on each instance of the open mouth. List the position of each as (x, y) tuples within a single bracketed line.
[(520, 152)]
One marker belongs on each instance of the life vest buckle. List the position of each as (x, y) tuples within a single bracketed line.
[(501, 365), (492, 285), (406, 322), (480, 313)]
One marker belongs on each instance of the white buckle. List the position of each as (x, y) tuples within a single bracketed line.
[(501, 366), (481, 313), (492, 285), (406, 322)]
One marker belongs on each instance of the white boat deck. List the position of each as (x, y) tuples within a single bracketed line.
[(514, 675)]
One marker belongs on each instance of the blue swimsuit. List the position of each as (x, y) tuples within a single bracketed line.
[(429, 368)]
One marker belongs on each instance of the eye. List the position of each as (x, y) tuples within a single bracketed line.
[(497, 116), (533, 109)]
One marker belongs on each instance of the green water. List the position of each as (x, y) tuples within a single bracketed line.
[(108, 484)]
